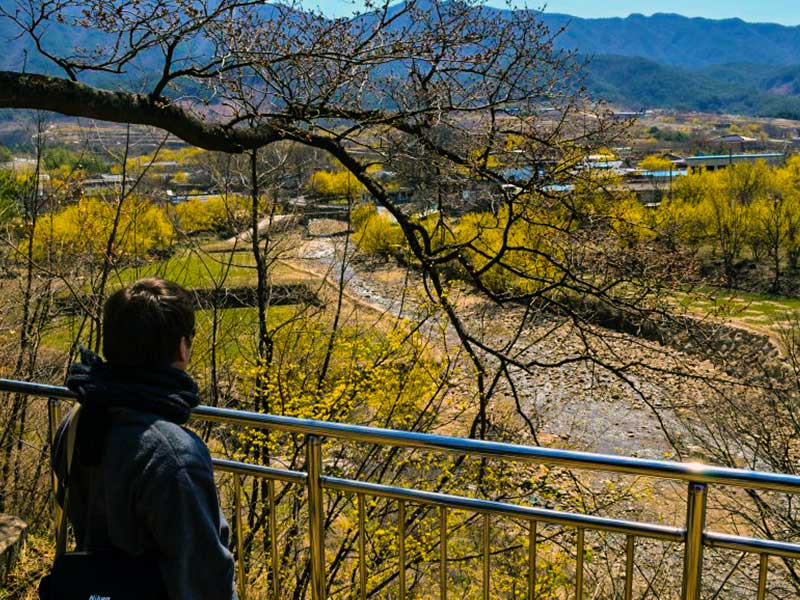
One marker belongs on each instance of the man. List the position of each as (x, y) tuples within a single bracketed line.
[(141, 483)]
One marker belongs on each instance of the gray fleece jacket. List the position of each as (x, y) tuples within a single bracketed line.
[(143, 484)]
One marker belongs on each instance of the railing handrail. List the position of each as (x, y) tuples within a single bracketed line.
[(692, 472), (693, 535)]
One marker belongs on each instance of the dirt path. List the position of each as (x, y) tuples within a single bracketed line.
[(278, 222)]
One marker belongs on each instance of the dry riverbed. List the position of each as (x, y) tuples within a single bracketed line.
[(579, 405)]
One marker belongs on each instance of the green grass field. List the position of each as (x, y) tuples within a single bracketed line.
[(201, 269), (757, 310), (236, 338), (197, 268)]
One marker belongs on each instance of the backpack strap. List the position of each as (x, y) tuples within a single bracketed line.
[(61, 513)]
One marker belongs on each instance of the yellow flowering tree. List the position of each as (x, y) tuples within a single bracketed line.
[(79, 233), (338, 183)]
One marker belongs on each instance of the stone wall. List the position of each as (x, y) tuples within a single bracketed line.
[(728, 347), (12, 538), (234, 297), (733, 349)]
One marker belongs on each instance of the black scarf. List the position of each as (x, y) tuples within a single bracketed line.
[(164, 391)]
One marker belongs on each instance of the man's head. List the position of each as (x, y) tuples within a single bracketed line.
[(148, 324)]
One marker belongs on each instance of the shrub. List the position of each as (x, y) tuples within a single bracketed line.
[(221, 214), (379, 235), (80, 232), (360, 214)]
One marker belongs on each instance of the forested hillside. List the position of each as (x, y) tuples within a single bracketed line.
[(635, 83), (676, 40)]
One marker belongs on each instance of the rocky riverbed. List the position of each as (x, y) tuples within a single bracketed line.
[(623, 400)]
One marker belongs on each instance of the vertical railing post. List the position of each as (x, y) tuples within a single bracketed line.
[(693, 555), (443, 553), (316, 522), (630, 548), (237, 506), (532, 534), (579, 554), (362, 548), (401, 547), (54, 418), (762, 577), (273, 540), (486, 554)]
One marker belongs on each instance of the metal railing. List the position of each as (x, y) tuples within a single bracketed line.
[(692, 535)]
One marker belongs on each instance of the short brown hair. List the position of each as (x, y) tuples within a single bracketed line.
[(143, 323)]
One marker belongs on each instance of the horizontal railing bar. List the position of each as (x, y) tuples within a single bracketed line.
[(553, 517), (580, 460), (36, 389), (751, 545), (544, 515), (232, 466)]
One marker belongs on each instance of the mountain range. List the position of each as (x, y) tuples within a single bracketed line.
[(672, 61), (678, 41), (658, 61)]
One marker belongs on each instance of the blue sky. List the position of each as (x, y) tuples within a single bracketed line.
[(786, 12)]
